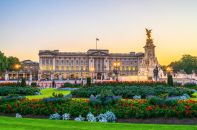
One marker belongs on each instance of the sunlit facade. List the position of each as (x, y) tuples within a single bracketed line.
[(97, 63)]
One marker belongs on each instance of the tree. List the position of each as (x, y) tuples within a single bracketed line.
[(3, 62), (187, 63), (7, 63), (11, 62)]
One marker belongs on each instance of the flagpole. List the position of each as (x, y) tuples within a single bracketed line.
[(96, 43)]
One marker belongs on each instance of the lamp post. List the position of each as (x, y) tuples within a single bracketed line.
[(92, 71), (116, 66), (169, 71), (17, 67)]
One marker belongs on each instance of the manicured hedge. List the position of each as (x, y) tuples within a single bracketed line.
[(9, 84), (129, 83), (130, 91), (69, 85), (122, 109), (5, 91)]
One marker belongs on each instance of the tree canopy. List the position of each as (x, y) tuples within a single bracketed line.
[(187, 63), (7, 63)]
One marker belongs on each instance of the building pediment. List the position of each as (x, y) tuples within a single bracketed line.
[(48, 52), (98, 52)]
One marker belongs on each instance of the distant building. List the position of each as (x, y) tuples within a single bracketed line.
[(30, 68)]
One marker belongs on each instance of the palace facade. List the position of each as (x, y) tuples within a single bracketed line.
[(97, 63)]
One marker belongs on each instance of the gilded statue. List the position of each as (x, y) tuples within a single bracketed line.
[(148, 33)]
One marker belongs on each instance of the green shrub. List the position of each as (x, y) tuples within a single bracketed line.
[(88, 81), (23, 82), (34, 84), (9, 84), (130, 91), (164, 95), (170, 80), (11, 98), (171, 102), (106, 97), (69, 85), (130, 83), (190, 84), (57, 95), (5, 91), (156, 101)]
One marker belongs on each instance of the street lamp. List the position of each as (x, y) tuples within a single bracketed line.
[(169, 70), (116, 65), (92, 71), (17, 67)]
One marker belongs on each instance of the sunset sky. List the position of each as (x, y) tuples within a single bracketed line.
[(27, 26)]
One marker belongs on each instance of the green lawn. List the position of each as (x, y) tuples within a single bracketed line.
[(12, 123), (195, 96), (45, 93)]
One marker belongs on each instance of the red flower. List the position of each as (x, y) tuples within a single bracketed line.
[(188, 107), (149, 108), (191, 101), (16, 105), (86, 100)]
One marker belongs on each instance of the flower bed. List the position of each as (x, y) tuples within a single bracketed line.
[(131, 91), (122, 109)]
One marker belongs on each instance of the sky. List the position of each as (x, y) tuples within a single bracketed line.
[(27, 26)]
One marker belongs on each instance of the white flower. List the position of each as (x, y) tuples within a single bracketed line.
[(66, 116), (55, 116), (90, 117), (80, 118), (18, 115), (107, 117), (110, 116)]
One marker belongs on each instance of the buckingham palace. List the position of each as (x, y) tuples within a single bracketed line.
[(96, 63)]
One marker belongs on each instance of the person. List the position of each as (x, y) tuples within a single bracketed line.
[(53, 84)]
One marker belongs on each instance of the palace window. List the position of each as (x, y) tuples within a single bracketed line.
[(43, 61), (47, 61)]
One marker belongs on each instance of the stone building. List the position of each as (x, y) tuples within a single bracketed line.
[(28, 70), (97, 63)]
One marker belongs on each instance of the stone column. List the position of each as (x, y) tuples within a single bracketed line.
[(53, 63), (24, 75), (39, 76), (30, 77), (6, 77), (52, 76), (60, 77)]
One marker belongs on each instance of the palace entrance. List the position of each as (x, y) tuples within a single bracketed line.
[(99, 76)]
